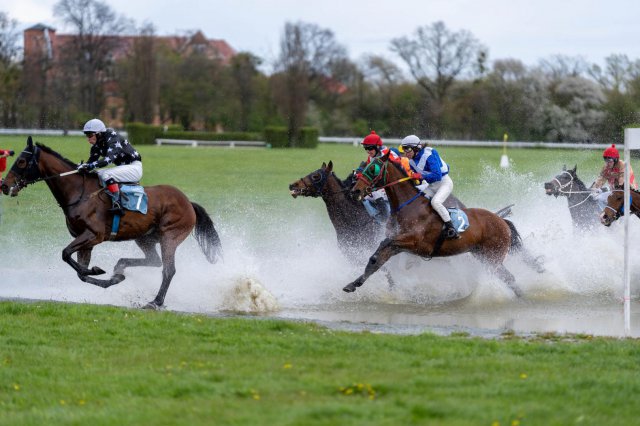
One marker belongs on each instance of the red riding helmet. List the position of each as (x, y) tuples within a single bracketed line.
[(611, 152), (372, 139)]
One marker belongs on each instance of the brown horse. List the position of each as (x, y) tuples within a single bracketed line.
[(615, 206), (489, 237), (169, 220), (356, 230)]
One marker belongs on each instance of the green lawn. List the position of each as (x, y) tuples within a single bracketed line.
[(82, 364)]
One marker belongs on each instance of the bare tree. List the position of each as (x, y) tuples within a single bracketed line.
[(616, 74), (89, 55), (437, 56), (558, 67), (9, 70), (307, 55)]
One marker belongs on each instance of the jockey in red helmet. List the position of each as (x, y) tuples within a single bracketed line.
[(376, 204), (612, 172)]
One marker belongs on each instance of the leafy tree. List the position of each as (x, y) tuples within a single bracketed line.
[(10, 71), (138, 77), (244, 70)]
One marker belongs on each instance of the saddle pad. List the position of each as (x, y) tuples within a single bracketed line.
[(133, 197), (459, 219)]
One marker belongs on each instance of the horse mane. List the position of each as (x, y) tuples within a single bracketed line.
[(55, 154), (581, 185)]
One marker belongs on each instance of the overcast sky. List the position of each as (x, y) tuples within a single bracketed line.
[(525, 30)]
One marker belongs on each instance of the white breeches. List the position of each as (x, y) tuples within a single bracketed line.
[(438, 192), (123, 173)]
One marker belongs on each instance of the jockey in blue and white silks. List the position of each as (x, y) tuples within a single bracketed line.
[(426, 164)]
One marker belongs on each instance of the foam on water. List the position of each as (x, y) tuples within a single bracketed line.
[(288, 266)]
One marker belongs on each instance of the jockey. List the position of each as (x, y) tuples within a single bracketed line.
[(426, 164), (377, 204), (116, 150), (4, 153), (612, 173)]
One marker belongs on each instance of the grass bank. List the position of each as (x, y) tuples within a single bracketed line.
[(100, 365)]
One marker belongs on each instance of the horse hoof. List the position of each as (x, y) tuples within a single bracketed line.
[(349, 288), (117, 278), (96, 270), (152, 306)]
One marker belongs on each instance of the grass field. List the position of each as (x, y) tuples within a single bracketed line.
[(86, 364)]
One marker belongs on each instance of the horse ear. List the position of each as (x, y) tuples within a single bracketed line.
[(29, 141), (330, 166), (386, 156), (574, 169), (564, 168), (324, 165)]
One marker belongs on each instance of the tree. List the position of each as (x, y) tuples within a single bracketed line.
[(437, 56), (10, 71), (88, 57), (244, 69), (139, 77), (307, 55)]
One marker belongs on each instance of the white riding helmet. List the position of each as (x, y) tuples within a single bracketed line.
[(94, 125), (412, 141)]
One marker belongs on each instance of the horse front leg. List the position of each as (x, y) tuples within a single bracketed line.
[(386, 249), (83, 245)]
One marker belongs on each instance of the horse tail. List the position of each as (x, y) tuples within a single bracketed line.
[(516, 240), (206, 234)]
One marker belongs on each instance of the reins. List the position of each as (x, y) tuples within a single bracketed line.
[(570, 192), (371, 184)]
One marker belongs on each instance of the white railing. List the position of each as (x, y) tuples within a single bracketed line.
[(194, 143)]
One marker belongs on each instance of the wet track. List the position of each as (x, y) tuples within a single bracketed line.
[(288, 272)]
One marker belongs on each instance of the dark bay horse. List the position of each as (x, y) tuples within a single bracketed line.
[(489, 237), (582, 207), (615, 206), (357, 232), (169, 220)]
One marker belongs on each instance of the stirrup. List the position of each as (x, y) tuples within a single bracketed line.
[(116, 208)]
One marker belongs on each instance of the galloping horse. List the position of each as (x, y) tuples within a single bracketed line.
[(169, 220), (489, 237), (583, 208), (355, 229), (615, 206)]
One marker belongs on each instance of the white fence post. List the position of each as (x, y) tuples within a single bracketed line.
[(631, 141)]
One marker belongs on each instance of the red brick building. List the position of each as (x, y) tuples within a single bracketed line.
[(43, 46)]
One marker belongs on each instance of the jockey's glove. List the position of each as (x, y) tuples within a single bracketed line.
[(86, 167), (416, 176)]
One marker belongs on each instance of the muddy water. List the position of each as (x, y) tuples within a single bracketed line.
[(284, 266)]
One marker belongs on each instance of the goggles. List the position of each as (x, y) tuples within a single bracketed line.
[(609, 159), (89, 134), (369, 147)]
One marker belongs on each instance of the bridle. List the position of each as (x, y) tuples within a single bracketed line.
[(32, 164), (318, 180), (618, 212), (562, 186), (372, 182)]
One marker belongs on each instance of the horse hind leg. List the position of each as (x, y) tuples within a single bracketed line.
[(168, 249), (506, 276), (151, 258)]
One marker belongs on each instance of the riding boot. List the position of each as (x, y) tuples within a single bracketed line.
[(382, 206), (451, 233), (114, 192)]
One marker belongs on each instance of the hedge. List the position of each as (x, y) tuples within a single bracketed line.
[(278, 137)]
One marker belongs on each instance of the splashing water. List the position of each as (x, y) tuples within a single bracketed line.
[(288, 265)]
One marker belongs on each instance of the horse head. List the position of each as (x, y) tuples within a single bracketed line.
[(24, 171), (563, 183), (614, 207), (312, 184), (374, 176)]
